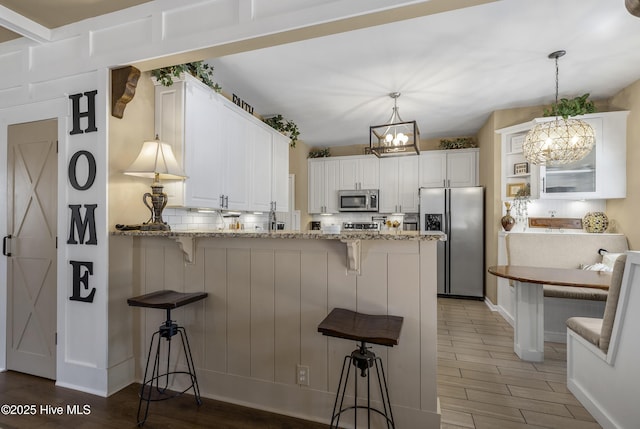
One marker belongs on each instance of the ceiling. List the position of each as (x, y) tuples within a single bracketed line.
[(453, 69), (56, 13)]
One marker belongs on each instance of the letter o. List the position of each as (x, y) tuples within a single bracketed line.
[(91, 161)]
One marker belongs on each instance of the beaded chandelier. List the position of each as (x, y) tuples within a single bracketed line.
[(559, 141)]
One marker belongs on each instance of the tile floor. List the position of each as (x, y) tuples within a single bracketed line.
[(483, 384)]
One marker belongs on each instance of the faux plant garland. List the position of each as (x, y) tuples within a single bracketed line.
[(199, 69), (458, 143), (286, 127)]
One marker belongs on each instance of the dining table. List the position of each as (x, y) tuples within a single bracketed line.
[(528, 332)]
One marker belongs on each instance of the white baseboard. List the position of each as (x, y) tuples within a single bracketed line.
[(590, 405), (505, 315), (490, 304), (555, 337), (81, 388), (291, 399), (120, 376)]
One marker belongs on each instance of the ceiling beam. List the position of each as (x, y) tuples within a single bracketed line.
[(24, 26)]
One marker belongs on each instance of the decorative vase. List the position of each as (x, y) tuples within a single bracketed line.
[(507, 220), (595, 222)]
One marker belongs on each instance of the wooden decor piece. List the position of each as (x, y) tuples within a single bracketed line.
[(555, 222), (123, 87)]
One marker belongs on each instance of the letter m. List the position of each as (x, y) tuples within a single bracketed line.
[(80, 225)]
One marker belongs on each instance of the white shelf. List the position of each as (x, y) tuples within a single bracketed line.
[(517, 176), (580, 171)]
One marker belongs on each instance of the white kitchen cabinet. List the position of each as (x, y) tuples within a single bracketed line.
[(232, 159), (184, 112), (449, 168), (359, 172), (600, 175), (323, 185), (236, 135), (399, 185), (280, 173)]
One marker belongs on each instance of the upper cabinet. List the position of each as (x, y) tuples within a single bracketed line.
[(397, 178), (280, 181), (359, 172), (232, 159), (399, 185), (600, 175), (323, 185), (449, 168)]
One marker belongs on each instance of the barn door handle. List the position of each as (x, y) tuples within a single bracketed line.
[(4, 245)]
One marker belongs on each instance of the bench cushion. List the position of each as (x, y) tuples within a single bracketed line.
[(612, 302), (587, 327), (598, 331), (593, 294)]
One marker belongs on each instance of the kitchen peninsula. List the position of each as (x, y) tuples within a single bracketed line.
[(267, 294)]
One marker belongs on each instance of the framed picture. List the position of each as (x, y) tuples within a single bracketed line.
[(516, 143), (521, 168), (513, 188)]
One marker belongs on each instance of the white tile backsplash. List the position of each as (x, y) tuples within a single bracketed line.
[(339, 218), (556, 208), (187, 220)]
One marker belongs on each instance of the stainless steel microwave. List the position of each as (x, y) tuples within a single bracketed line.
[(360, 200)]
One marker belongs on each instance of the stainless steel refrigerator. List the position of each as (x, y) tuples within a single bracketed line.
[(459, 213)]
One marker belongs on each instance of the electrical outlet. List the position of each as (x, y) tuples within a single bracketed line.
[(303, 375)]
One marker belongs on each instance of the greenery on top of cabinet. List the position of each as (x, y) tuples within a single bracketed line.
[(458, 143), (199, 69), (571, 107), (319, 153), (286, 127)]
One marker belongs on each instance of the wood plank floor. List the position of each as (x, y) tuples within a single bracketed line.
[(483, 384), (119, 410)]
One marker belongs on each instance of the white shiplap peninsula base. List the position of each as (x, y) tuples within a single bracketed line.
[(267, 294)]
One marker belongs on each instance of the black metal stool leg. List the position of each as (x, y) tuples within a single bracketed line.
[(386, 402), (145, 394), (334, 415), (190, 365), (151, 383), (363, 359)]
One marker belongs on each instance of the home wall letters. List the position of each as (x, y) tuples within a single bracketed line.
[(82, 226)]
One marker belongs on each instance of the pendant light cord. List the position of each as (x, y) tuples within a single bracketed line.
[(557, 85), (555, 55)]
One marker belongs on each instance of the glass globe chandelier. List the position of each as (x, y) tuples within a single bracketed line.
[(559, 141), (396, 137)]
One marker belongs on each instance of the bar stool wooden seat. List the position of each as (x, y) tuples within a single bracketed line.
[(363, 328), (151, 389)]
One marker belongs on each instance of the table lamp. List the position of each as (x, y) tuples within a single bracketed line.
[(155, 160)]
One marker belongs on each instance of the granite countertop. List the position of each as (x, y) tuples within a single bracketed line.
[(306, 235)]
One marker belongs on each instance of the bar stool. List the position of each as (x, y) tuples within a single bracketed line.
[(167, 300), (364, 328)]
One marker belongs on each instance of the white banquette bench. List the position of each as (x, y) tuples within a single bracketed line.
[(564, 250), (603, 353)]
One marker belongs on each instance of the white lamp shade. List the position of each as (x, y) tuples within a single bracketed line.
[(156, 157)]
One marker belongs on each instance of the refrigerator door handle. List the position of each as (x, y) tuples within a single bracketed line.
[(446, 228)]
